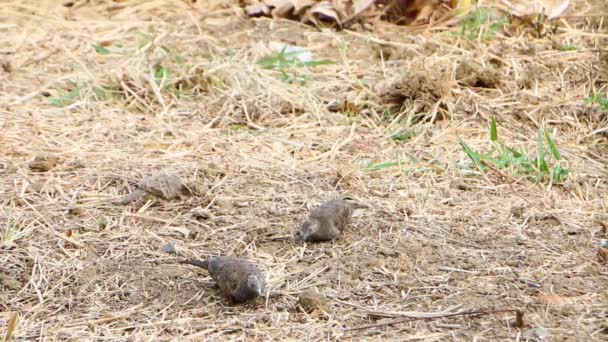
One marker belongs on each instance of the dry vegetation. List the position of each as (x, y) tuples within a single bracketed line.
[(97, 95)]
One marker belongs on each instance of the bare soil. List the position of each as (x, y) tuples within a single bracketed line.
[(171, 86)]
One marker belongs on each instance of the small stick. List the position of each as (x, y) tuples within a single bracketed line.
[(530, 282), (473, 313)]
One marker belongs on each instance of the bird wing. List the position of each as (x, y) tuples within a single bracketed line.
[(166, 186), (229, 273)]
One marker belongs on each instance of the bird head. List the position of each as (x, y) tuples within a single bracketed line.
[(306, 229), (255, 284)]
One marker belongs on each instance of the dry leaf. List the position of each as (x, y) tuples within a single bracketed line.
[(68, 233), (362, 5), (300, 6), (550, 8), (323, 12), (280, 8), (257, 10), (416, 11)]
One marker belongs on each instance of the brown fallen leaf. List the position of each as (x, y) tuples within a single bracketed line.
[(257, 10), (549, 8), (322, 12)]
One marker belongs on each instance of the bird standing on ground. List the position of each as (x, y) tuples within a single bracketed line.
[(239, 280), (165, 186), (327, 221)]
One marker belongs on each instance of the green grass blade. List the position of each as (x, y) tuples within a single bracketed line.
[(493, 130), (541, 161), (552, 145), (102, 50), (475, 157), (381, 166)]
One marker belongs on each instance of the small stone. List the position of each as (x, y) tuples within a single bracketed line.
[(169, 248), (224, 203), (311, 301), (200, 213), (334, 106), (43, 162), (36, 187)]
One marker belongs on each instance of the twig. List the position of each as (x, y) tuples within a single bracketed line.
[(472, 313), (529, 282)]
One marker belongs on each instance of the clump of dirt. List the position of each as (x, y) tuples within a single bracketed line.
[(427, 85), (44, 162), (472, 73), (532, 73), (311, 301)]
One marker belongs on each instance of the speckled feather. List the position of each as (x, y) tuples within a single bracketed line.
[(233, 276), (328, 220)]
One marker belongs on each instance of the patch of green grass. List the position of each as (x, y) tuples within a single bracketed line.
[(67, 97), (162, 75), (289, 66), (9, 231), (546, 167), (102, 222), (106, 92), (482, 24), (568, 47), (402, 135), (598, 101), (381, 166), (84, 91)]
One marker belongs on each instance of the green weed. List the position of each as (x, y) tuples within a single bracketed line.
[(547, 167), (102, 222), (568, 47), (381, 166), (102, 50), (402, 135), (482, 24), (289, 66), (67, 97), (598, 101), (9, 231)]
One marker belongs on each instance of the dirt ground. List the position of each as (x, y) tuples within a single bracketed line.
[(99, 94)]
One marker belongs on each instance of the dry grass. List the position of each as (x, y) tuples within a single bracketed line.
[(182, 92)]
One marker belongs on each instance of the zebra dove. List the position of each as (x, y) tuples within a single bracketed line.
[(327, 221), (238, 279), (166, 186)]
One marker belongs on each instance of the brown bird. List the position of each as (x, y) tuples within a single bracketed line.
[(327, 221), (166, 186), (238, 279)]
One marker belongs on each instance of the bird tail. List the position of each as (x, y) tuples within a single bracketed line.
[(200, 263), (130, 197)]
